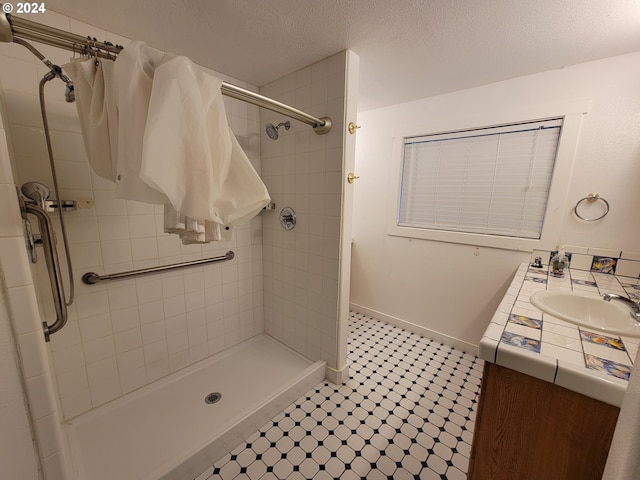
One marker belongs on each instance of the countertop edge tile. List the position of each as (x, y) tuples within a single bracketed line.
[(607, 389), (487, 349), (529, 363)]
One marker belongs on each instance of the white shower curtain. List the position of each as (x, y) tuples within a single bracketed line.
[(155, 124)]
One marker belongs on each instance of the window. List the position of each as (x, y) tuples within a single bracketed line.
[(490, 181), (462, 120)]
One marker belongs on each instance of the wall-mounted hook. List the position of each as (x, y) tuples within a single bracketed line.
[(353, 127), (352, 177)]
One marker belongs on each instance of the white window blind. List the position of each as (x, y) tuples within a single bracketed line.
[(492, 181)]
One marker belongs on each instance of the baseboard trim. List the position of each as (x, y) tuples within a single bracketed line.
[(338, 377), (417, 329)]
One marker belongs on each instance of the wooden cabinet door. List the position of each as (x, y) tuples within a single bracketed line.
[(529, 429)]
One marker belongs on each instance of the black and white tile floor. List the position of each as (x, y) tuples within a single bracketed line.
[(407, 411)]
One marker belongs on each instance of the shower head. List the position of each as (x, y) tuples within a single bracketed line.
[(272, 130), (37, 192)]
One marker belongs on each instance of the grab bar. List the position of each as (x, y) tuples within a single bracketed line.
[(53, 267), (91, 278)]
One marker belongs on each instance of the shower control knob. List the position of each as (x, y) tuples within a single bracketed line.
[(287, 218)]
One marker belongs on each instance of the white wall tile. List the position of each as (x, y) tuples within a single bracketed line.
[(30, 154), (628, 268), (68, 359), (23, 110), (73, 175), (604, 252), (15, 265), (174, 305), (98, 350), (86, 254), (33, 354), (107, 204), (144, 248), (95, 326), (125, 319), (105, 390), (42, 400), (23, 74), (49, 435), (155, 352), (133, 379), (141, 226), (90, 304), (630, 255), (128, 340), (10, 218), (116, 251), (113, 227), (152, 311), (579, 261), (149, 290), (73, 382), (153, 332), (24, 309), (295, 264)]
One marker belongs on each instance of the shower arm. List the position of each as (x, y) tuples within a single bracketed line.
[(53, 266), (12, 27)]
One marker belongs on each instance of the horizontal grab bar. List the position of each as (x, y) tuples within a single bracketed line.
[(91, 278)]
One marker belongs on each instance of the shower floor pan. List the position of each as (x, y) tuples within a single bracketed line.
[(168, 431)]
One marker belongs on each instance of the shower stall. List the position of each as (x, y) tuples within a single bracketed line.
[(248, 334)]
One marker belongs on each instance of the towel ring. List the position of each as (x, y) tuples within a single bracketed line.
[(591, 198)]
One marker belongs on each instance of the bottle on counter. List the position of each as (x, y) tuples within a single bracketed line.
[(559, 263)]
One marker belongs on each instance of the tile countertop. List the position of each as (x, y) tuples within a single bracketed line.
[(522, 338)]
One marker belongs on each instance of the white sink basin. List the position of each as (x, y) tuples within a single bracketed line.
[(591, 312)]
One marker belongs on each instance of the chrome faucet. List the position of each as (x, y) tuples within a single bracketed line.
[(632, 304)]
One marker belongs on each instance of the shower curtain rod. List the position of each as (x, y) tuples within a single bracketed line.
[(11, 26)]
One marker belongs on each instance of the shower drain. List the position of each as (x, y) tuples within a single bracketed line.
[(213, 398)]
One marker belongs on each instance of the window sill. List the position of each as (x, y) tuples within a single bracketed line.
[(473, 239)]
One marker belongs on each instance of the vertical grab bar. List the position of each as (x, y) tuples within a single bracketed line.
[(53, 267)]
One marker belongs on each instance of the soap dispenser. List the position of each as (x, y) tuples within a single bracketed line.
[(559, 262)]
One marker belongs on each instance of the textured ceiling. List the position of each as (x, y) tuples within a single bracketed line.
[(408, 49)]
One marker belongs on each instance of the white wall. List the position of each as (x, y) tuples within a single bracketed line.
[(451, 291), (304, 171), (18, 457), (20, 320)]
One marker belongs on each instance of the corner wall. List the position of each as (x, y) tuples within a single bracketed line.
[(447, 291), (18, 454), (305, 171)]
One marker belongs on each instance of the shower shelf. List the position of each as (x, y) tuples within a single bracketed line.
[(91, 278)]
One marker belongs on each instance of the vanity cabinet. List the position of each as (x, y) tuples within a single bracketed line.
[(529, 429)]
